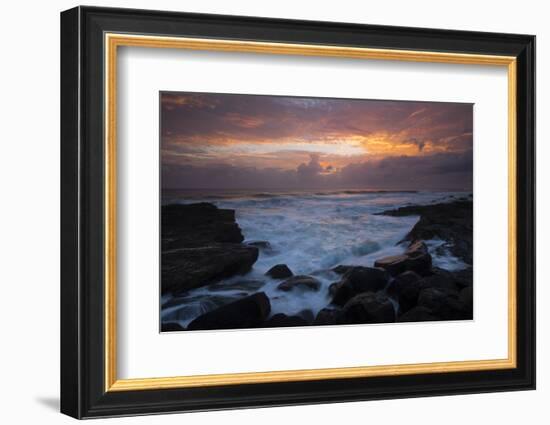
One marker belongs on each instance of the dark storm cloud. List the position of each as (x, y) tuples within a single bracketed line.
[(444, 171), (438, 171)]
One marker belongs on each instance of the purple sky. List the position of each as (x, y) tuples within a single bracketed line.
[(222, 141)]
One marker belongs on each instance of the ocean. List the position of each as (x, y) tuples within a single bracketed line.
[(311, 232)]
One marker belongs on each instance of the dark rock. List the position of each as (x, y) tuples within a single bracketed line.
[(444, 303), (420, 260), (300, 282), (263, 246), (171, 327), (405, 289), (368, 308), (341, 269), (449, 221), (197, 225), (201, 244), (249, 312), (402, 281), (394, 264), (326, 316), (307, 315), (463, 278), (440, 278), (466, 296), (356, 281), (259, 244), (417, 314), (366, 278), (417, 248), (281, 320), (417, 261), (188, 268), (333, 288), (279, 271)]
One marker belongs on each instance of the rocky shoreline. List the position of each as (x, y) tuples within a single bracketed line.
[(451, 222), (202, 245)]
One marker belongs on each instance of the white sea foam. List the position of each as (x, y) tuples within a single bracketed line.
[(311, 234), (442, 257)]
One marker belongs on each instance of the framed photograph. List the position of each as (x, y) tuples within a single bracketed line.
[(261, 212)]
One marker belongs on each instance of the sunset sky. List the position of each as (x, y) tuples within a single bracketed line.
[(223, 141)]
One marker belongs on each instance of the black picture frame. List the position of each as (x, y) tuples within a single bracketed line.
[(83, 392)]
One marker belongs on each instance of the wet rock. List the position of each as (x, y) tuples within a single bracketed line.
[(327, 316), (466, 296), (171, 327), (366, 278), (418, 314), (405, 289), (281, 320), (201, 244), (451, 222), (394, 264), (417, 261), (333, 288), (300, 282), (197, 225), (263, 246), (444, 303), (417, 248), (260, 244), (368, 308), (249, 312), (440, 278), (402, 281), (341, 269), (279, 271), (357, 280), (187, 268), (463, 278), (307, 315)]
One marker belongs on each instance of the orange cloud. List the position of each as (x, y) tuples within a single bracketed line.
[(277, 132)]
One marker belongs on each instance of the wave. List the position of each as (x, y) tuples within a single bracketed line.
[(312, 234)]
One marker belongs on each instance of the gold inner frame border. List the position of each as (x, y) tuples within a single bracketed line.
[(111, 43)]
